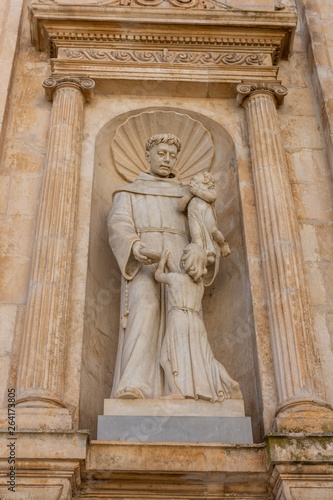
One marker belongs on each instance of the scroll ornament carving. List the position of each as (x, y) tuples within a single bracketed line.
[(183, 4), (59, 39), (244, 90), (85, 85), (167, 56)]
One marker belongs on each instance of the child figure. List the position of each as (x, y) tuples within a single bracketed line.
[(200, 205), (190, 368)]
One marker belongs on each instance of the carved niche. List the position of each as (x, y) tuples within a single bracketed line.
[(119, 158)]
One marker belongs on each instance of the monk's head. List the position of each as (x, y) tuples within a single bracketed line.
[(161, 152)]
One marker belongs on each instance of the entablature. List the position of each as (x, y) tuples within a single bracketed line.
[(199, 45)]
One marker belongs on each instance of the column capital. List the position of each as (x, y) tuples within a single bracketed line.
[(84, 84), (247, 89)]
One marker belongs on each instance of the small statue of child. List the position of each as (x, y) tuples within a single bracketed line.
[(200, 205), (191, 371)]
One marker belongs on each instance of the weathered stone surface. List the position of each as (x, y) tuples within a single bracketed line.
[(10, 14), (304, 448), (172, 457)]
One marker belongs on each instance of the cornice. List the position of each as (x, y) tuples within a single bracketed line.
[(233, 17)]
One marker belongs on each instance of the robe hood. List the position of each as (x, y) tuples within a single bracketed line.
[(154, 186)]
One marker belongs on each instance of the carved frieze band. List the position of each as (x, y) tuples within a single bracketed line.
[(245, 90), (231, 47), (166, 56), (182, 4)]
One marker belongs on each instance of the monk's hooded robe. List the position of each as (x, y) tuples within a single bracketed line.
[(145, 210)]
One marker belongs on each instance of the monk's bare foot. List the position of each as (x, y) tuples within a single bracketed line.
[(129, 393)]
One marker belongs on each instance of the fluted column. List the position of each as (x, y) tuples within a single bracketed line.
[(286, 298), (41, 368)]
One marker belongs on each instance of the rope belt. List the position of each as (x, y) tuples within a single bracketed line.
[(186, 309), (160, 230)]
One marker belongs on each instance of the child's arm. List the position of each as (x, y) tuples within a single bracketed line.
[(160, 275), (208, 195)]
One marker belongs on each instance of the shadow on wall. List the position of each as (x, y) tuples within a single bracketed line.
[(227, 303)]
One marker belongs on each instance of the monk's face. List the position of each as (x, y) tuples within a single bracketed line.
[(162, 159)]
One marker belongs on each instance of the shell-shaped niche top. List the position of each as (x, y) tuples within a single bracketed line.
[(128, 146)]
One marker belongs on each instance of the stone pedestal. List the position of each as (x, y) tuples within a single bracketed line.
[(158, 420)]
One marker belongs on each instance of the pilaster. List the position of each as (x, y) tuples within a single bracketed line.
[(285, 291), (41, 367)]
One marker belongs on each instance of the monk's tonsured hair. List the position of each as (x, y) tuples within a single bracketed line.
[(165, 138)]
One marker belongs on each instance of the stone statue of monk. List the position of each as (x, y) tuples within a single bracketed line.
[(144, 221)]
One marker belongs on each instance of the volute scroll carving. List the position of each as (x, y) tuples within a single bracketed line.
[(84, 84), (246, 89)]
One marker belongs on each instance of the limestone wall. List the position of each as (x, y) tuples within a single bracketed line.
[(24, 148)]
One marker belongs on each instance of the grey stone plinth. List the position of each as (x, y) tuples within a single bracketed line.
[(184, 429)]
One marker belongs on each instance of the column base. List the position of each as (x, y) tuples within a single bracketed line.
[(304, 415), (40, 398)]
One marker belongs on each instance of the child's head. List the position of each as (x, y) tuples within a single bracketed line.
[(204, 180)]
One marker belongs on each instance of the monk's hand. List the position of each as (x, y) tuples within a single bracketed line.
[(194, 261), (136, 249)]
